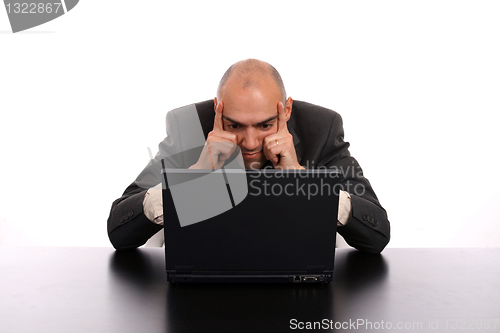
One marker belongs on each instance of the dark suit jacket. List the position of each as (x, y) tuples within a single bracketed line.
[(319, 142)]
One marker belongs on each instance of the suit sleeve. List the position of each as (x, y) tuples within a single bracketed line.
[(368, 229), (128, 227)]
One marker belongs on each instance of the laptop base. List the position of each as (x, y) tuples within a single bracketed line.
[(249, 278)]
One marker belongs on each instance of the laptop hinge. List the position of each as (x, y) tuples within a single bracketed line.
[(315, 269), (184, 269)]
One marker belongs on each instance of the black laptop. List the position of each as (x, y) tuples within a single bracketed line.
[(232, 225)]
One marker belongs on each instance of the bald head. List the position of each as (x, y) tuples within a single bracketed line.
[(251, 73)]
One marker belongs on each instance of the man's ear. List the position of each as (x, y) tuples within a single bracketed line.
[(288, 108), (215, 103)]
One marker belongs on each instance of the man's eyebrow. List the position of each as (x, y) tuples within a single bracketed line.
[(229, 119), (260, 123), (268, 120)]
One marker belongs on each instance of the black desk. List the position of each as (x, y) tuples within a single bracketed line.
[(99, 290)]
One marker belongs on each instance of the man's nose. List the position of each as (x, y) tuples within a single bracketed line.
[(250, 139)]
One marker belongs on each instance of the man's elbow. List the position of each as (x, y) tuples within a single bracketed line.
[(376, 246), (364, 238), (132, 234), (120, 243)]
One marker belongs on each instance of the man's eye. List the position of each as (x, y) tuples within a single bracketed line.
[(267, 126), (233, 126)]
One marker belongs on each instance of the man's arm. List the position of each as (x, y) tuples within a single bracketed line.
[(368, 228), (128, 227)]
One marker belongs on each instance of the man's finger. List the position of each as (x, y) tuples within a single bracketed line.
[(281, 118), (218, 124), (271, 149)]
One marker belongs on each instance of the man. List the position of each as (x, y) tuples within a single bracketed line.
[(251, 111)]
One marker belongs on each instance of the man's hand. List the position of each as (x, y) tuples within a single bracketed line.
[(279, 148), (220, 144)]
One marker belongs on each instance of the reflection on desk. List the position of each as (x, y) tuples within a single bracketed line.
[(100, 290)]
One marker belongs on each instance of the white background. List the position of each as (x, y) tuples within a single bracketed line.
[(417, 84)]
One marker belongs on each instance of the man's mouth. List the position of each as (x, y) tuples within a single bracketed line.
[(249, 156)]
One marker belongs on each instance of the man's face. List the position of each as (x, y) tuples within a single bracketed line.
[(252, 114)]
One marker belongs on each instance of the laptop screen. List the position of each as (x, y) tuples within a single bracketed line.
[(250, 221)]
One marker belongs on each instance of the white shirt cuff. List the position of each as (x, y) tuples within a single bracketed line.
[(153, 204), (345, 207)]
